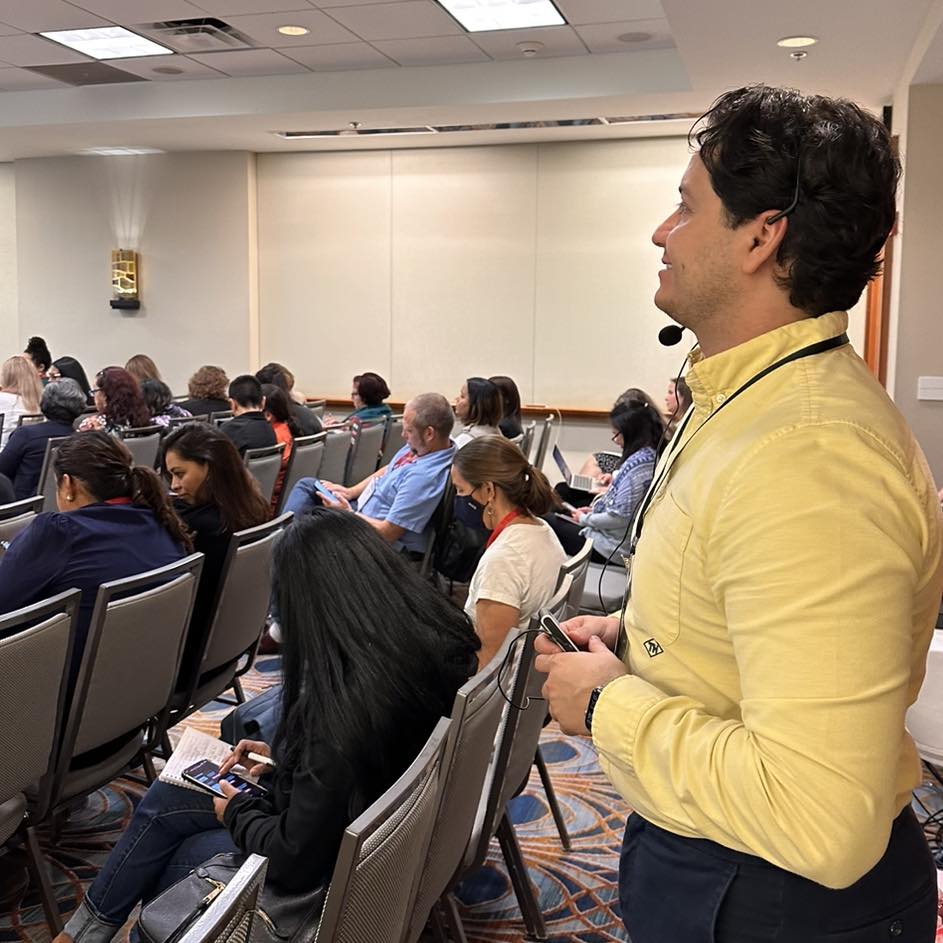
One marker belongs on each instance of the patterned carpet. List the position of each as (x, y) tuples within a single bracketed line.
[(578, 890)]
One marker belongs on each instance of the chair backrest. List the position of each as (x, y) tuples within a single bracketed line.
[(392, 439), (438, 525), (543, 443), (183, 420), (10, 527), (527, 438), (35, 649), (32, 505), (334, 457), (143, 443), (476, 714), (576, 569), (305, 462), (47, 479), (230, 918), (364, 452), (113, 696), (925, 716), (221, 416), (264, 465), (373, 887), (29, 419)]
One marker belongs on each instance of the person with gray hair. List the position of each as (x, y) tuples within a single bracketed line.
[(399, 499), (21, 461)]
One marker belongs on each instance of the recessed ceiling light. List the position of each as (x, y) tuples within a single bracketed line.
[(635, 37), (294, 30), (119, 151), (796, 42), (168, 70), (480, 15), (108, 42)]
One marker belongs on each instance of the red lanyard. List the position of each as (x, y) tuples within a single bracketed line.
[(118, 501), (501, 525)]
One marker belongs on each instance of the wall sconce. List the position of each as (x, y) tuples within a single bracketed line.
[(124, 279)]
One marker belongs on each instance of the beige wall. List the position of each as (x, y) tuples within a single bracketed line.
[(9, 320), (919, 347)]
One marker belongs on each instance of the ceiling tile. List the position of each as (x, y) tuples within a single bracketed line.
[(604, 37), (21, 80), (441, 50), (410, 19), (6, 30), (35, 15), (323, 4), (578, 12), (263, 28), (144, 66), (557, 41), (237, 7), (249, 62), (339, 57), (34, 50), (132, 12)]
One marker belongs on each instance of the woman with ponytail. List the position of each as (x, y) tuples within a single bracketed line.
[(114, 520), (518, 571)]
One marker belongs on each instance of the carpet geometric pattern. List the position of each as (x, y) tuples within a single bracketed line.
[(578, 890)]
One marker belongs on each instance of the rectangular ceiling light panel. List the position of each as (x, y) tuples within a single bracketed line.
[(108, 42), (480, 15)]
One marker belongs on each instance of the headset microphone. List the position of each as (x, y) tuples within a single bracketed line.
[(670, 335)]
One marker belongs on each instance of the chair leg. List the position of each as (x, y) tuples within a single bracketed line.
[(440, 933), (520, 881), (147, 761), (166, 745), (240, 697), (40, 877), (456, 927), (552, 799)]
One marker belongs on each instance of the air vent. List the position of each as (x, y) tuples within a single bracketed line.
[(85, 73), (647, 119), (205, 34), (352, 133)]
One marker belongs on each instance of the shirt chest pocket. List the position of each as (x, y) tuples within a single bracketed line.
[(663, 555)]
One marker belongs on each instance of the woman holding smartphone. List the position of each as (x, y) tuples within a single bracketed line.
[(355, 623)]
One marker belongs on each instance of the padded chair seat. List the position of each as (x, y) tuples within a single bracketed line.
[(11, 815), (613, 588), (84, 778)]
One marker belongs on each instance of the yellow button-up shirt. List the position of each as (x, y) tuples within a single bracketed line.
[(787, 582)]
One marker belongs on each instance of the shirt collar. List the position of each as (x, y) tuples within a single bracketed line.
[(712, 379)]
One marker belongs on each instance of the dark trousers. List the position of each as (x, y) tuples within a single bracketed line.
[(688, 890)]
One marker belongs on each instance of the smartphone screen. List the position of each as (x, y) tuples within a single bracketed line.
[(325, 491), (553, 629), (205, 774)]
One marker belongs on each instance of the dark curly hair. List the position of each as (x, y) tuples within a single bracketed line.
[(756, 142), (124, 404), (371, 388)]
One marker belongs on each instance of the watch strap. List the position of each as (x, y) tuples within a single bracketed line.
[(591, 707)]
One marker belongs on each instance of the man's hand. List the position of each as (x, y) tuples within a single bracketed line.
[(339, 490), (583, 628), (219, 805), (341, 504), (571, 677)]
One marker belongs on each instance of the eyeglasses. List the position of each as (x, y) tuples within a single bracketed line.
[(616, 436)]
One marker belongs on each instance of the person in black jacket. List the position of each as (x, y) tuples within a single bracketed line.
[(249, 428), (373, 656)]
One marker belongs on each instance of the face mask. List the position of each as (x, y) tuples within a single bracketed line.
[(474, 506)]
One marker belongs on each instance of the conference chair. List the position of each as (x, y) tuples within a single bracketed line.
[(35, 650), (219, 653), (29, 419), (305, 462), (376, 876), (264, 465), (334, 457), (543, 443), (183, 420), (143, 442), (527, 438), (14, 509), (47, 479), (16, 517), (576, 568), (231, 916), (476, 713), (366, 440), (605, 587), (392, 439), (317, 406), (223, 415), (437, 527)]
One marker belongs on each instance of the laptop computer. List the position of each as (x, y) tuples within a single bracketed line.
[(580, 482)]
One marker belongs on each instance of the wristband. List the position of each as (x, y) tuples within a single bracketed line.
[(591, 707)]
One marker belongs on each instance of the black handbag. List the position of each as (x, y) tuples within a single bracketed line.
[(282, 918)]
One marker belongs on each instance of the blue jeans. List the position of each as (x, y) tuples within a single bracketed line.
[(302, 498), (172, 831)]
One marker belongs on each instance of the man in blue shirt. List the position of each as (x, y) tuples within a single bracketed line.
[(400, 498)]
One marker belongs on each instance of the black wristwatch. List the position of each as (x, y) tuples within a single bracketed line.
[(591, 707)]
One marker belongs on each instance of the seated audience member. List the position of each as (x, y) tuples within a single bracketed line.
[(214, 495), (208, 392), (38, 353), (142, 368), (22, 460), (160, 403), (368, 390), (71, 368), (637, 430), (114, 520), (249, 429), (399, 499), (279, 414), (511, 425), (677, 400), (7, 495), (20, 390), (357, 622), (518, 571), (280, 376), (479, 408), (119, 403)]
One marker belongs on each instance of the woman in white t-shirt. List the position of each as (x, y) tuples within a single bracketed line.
[(20, 391), (518, 571)]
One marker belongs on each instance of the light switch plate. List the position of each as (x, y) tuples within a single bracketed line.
[(929, 387)]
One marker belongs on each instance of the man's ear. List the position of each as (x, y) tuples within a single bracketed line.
[(765, 238)]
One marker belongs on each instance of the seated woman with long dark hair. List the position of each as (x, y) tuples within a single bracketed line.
[(372, 656), (511, 424), (479, 408), (279, 413), (119, 403)]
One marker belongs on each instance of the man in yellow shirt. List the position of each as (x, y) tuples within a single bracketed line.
[(787, 570)]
